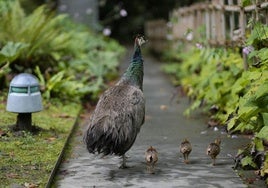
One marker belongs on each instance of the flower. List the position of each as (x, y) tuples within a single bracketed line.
[(199, 46), (123, 13), (248, 49), (107, 31), (189, 36)]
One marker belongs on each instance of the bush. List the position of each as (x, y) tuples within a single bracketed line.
[(215, 78), (70, 60)]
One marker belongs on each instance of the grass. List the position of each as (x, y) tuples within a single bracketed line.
[(28, 158)]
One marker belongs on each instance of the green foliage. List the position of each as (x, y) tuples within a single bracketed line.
[(8, 54), (38, 30), (258, 38), (11, 51), (208, 76), (71, 60), (246, 3), (264, 169), (264, 131), (215, 76), (248, 161)]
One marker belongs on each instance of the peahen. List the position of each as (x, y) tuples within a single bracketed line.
[(120, 112)]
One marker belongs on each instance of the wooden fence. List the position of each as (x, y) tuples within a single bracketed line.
[(224, 22)]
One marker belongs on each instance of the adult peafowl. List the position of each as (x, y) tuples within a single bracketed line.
[(120, 112)]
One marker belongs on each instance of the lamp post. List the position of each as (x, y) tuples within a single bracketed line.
[(24, 98)]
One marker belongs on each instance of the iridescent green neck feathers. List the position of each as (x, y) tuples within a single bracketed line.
[(134, 73)]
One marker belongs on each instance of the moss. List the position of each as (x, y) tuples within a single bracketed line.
[(30, 157)]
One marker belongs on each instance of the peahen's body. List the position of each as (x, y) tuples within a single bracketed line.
[(120, 112)]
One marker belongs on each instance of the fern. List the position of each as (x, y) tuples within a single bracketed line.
[(71, 60)]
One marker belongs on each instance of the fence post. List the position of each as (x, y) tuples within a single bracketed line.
[(222, 22), (231, 20), (208, 22), (242, 22)]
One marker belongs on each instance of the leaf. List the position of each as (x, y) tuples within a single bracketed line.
[(258, 144), (11, 51), (246, 3), (265, 119), (248, 161), (263, 55), (243, 126), (40, 76), (55, 80), (239, 152), (263, 133), (232, 123)]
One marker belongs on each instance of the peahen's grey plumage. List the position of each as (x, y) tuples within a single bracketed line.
[(120, 112)]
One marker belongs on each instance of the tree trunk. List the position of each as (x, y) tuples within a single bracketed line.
[(24, 121)]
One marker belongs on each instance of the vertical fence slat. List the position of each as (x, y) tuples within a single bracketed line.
[(208, 22), (231, 20), (223, 28), (242, 18)]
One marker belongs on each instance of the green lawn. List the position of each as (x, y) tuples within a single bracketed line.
[(28, 159)]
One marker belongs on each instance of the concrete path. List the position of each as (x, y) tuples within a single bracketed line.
[(165, 127)]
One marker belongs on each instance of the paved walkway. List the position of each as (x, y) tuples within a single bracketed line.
[(164, 128)]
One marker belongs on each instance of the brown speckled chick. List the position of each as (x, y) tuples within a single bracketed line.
[(151, 157), (213, 150), (185, 149)]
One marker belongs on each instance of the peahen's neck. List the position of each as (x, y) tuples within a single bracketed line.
[(134, 73)]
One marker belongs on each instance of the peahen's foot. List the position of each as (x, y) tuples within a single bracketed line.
[(123, 165)]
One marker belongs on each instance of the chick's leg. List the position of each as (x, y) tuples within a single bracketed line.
[(214, 162), (187, 159)]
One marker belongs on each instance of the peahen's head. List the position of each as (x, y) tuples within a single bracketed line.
[(139, 40)]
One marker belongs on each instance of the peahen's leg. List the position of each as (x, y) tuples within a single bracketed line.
[(124, 160)]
